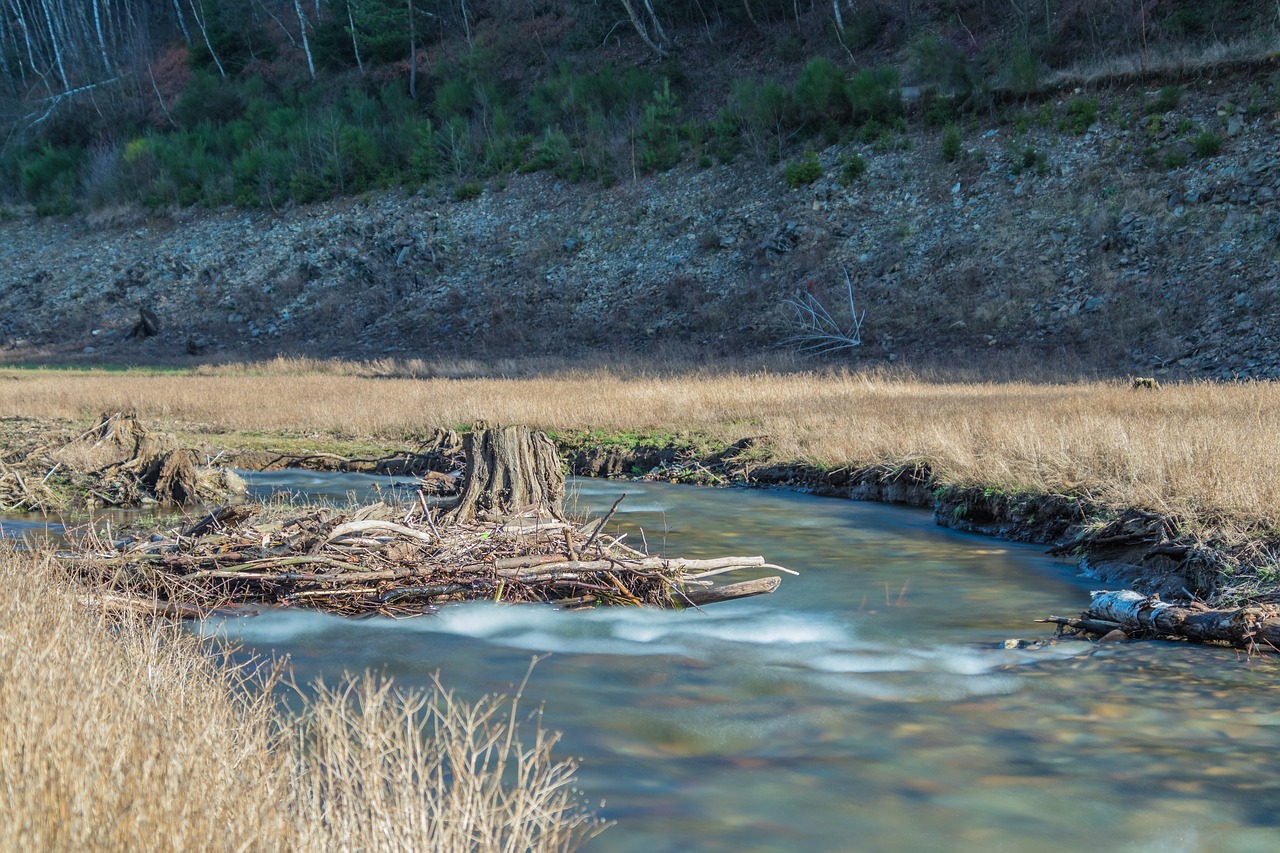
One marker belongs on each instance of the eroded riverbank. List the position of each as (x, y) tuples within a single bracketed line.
[(1150, 551)]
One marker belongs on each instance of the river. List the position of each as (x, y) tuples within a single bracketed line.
[(865, 706)]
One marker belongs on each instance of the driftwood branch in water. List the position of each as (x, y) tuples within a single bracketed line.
[(1138, 615), (728, 592)]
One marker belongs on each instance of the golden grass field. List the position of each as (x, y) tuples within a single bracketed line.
[(136, 735), (107, 729), (1210, 452)]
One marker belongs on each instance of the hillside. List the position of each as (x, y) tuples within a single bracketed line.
[(1111, 209)]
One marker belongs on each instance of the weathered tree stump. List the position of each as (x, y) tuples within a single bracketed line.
[(127, 462), (508, 471), (148, 324)]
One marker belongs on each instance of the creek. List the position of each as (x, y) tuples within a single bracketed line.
[(866, 705)]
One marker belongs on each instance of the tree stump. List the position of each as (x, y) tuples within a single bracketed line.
[(508, 471)]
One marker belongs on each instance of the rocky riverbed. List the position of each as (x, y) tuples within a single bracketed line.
[(1117, 249)]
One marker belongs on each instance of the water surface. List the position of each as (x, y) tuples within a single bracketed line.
[(864, 706)]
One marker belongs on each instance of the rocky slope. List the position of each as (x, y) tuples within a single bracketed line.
[(1119, 249)]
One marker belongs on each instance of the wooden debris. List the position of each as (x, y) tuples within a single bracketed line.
[(395, 560), (116, 462), (1136, 615)]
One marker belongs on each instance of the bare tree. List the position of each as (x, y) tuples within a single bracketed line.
[(306, 45), (648, 28), (55, 43), (413, 54), (102, 43), (182, 21), (355, 43), (204, 31)]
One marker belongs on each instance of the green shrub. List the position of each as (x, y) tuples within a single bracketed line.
[(874, 94), (791, 48), (1257, 100), (951, 148), (804, 171), (852, 167), (939, 110), (1028, 158), (659, 135), (306, 186), (819, 95), (1208, 144), (1168, 99), (1174, 160), (726, 136), (1024, 70), (466, 192), (51, 175), (1081, 114), (765, 111), (552, 153), (454, 97), (424, 160)]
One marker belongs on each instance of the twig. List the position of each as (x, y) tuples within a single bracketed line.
[(603, 522)]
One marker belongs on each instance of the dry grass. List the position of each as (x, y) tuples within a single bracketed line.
[(128, 735), (1174, 57), (1207, 451)]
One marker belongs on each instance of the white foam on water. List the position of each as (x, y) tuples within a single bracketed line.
[(760, 629), (272, 626), (824, 645), (872, 660)]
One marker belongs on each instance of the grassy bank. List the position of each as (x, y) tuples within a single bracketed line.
[(1209, 453), (133, 735)]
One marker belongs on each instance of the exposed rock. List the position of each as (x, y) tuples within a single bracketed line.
[(1103, 252)]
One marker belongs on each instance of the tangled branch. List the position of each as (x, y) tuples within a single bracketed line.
[(818, 331)]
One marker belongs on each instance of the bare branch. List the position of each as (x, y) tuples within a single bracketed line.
[(817, 331)]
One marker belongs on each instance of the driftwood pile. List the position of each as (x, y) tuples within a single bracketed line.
[(394, 561), (116, 462)]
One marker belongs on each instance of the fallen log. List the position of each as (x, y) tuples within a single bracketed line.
[(1254, 626), (729, 592)]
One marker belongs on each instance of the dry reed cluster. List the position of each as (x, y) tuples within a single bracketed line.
[(133, 735), (1209, 452)]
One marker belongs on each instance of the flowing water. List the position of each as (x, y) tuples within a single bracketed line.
[(864, 706)]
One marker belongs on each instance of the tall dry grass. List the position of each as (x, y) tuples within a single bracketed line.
[(133, 735), (1205, 450)]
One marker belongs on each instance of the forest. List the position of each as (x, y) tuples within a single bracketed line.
[(257, 103)]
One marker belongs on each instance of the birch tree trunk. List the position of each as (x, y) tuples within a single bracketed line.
[(54, 44), (306, 45), (204, 31), (102, 43), (4, 61), (355, 43), (413, 54), (466, 23), (182, 21), (642, 29), (1255, 626)]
